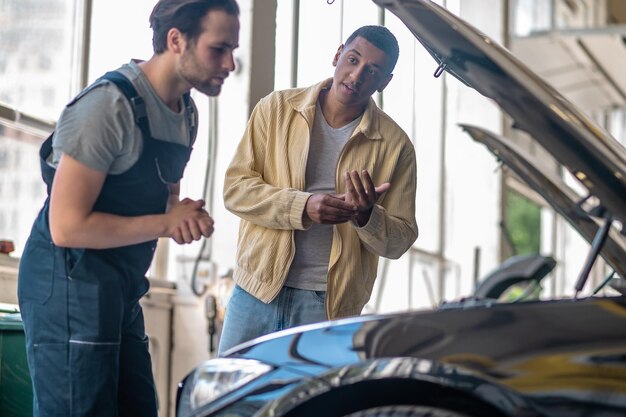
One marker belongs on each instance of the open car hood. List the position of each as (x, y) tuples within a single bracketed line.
[(554, 190), (596, 159)]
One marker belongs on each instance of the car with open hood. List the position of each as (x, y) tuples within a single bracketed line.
[(476, 357)]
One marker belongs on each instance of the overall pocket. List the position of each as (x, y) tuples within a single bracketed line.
[(36, 271)]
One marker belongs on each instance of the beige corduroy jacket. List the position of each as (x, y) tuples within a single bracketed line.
[(264, 183)]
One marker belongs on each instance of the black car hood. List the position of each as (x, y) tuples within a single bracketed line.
[(554, 190), (567, 356), (596, 159)]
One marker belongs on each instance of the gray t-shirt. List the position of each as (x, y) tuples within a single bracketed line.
[(309, 269), (100, 131)]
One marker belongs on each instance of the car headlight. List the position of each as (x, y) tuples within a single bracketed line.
[(217, 377)]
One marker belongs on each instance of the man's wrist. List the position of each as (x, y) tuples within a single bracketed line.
[(364, 217), (306, 220), (172, 200)]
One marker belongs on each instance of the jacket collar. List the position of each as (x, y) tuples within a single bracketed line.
[(304, 103)]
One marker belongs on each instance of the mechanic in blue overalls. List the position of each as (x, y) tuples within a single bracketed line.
[(112, 168)]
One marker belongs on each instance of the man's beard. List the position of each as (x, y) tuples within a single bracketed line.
[(207, 88), (189, 69)]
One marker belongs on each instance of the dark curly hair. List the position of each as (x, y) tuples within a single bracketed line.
[(380, 37)]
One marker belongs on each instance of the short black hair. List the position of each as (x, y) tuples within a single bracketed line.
[(380, 37), (186, 16)]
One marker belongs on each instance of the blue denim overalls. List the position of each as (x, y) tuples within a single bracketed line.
[(86, 344)]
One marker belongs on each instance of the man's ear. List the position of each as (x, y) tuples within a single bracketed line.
[(384, 83), (337, 54), (175, 41)]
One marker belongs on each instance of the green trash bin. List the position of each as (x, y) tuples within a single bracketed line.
[(16, 390)]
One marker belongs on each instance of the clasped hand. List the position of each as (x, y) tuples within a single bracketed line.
[(189, 221), (355, 204)]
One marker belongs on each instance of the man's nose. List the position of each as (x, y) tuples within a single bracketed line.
[(229, 62), (357, 75)]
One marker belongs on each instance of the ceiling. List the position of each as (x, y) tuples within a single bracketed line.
[(586, 66)]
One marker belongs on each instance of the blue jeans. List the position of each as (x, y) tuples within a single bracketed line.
[(247, 317)]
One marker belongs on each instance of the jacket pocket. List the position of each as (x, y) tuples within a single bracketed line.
[(36, 271)]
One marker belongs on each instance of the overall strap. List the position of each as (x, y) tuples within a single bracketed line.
[(136, 101), (139, 106), (191, 116)]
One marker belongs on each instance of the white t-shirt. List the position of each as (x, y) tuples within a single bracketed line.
[(309, 268)]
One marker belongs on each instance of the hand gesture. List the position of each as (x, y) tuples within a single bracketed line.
[(328, 209), (189, 221), (362, 194)]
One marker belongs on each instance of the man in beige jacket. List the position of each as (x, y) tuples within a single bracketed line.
[(313, 223)]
